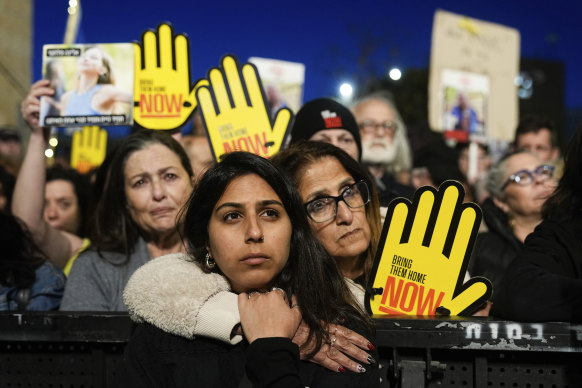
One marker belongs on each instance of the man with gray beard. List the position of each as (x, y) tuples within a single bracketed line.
[(385, 149)]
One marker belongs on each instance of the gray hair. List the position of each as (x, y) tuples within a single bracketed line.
[(403, 159), (497, 174)]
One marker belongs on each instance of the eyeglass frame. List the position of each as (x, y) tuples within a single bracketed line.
[(339, 198), (512, 177), (389, 126)]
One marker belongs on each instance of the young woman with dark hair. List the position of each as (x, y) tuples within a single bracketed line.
[(246, 228)]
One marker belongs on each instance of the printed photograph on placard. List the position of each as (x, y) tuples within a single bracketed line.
[(93, 85), (283, 83), (464, 103)]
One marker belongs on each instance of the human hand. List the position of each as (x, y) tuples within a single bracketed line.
[(30, 106), (334, 355), (264, 315), (244, 124), (425, 255), (164, 97), (88, 149)]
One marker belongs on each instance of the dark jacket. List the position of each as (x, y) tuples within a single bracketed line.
[(495, 249), (544, 282), (154, 358), (389, 189)]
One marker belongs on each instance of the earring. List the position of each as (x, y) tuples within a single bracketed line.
[(210, 263)]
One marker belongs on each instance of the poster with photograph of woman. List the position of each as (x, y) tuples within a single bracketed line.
[(93, 84), (464, 104)]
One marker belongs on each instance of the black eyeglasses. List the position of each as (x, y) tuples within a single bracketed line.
[(323, 209), (370, 126), (526, 177)]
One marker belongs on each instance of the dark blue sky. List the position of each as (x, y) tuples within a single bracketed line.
[(324, 35)]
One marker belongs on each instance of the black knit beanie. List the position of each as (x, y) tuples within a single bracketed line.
[(321, 114)]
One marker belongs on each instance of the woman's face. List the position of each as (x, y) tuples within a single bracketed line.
[(91, 61), (249, 234), (347, 235), (340, 138), (156, 187), (61, 206), (525, 200)]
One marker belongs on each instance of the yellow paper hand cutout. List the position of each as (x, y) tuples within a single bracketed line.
[(235, 114), (88, 148), (423, 255), (164, 97)]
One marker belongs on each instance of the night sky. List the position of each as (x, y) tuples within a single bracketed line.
[(326, 36)]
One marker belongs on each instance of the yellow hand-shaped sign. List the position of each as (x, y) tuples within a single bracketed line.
[(423, 255), (88, 149), (164, 97), (235, 115)]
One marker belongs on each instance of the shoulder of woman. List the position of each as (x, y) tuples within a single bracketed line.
[(169, 291)]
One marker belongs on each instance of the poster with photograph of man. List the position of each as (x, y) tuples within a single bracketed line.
[(465, 97), (93, 85)]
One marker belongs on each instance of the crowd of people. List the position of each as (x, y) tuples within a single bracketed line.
[(240, 269)]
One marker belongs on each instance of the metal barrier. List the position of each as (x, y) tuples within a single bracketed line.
[(58, 350)]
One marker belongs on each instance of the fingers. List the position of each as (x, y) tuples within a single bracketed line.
[(421, 217), (30, 106), (234, 82), (396, 225), (350, 336), (250, 76), (165, 46), (219, 88), (150, 51), (181, 51), (476, 290), (332, 359), (464, 232), (443, 222)]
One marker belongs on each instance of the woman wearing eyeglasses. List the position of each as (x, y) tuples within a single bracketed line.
[(544, 282), (519, 184), (341, 203)]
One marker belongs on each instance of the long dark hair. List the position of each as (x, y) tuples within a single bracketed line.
[(298, 156), (567, 199), (114, 229), (310, 273), (20, 255)]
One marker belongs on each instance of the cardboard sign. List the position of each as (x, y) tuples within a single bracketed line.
[(235, 113), (88, 149), (472, 70), (93, 85), (164, 97), (283, 82), (423, 254)]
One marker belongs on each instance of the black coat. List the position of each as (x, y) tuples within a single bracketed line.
[(495, 249), (154, 358), (544, 282)]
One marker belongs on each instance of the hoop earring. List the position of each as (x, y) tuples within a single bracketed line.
[(210, 263)]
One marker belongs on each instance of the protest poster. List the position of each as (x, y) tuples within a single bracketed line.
[(283, 82), (473, 67), (235, 113), (164, 95), (93, 85), (423, 255)]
